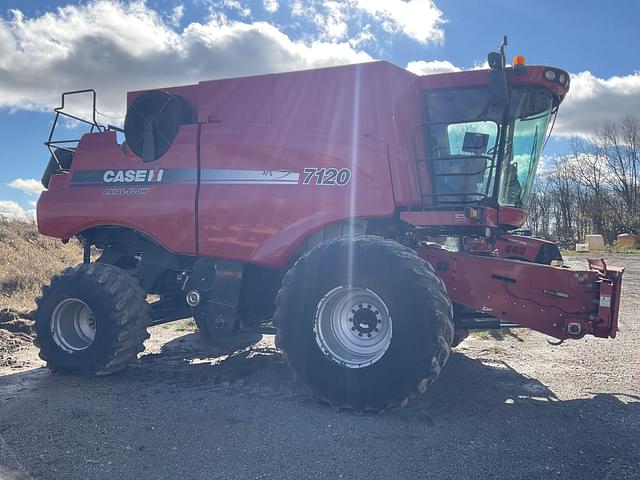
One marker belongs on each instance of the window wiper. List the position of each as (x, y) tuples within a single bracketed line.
[(553, 123)]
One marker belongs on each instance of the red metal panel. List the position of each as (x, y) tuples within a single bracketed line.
[(350, 100), (407, 114), (512, 217), (447, 218), (165, 212), (374, 101), (519, 246), (263, 221), (610, 292), (238, 100), (544, 298)]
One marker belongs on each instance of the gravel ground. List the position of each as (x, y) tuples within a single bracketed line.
[(511, 408)]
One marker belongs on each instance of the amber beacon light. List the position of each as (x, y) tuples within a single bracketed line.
[(518, 61)]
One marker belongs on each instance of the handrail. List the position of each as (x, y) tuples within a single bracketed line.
[(490, 165), (54, 145), (76, 92)]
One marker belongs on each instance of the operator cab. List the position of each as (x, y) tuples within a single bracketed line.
[(483, 134)]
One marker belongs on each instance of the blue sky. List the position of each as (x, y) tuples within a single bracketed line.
[(50, 46)]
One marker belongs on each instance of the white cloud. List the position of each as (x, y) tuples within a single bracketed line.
[(418, 19), (335, 22), (480, 65), (364, 37), (271, 6), (241, 8), (591, 101), (327, 17), (297, 8), (420, 67), (11, 209), (176, 15), (29, 186), (116, 47)]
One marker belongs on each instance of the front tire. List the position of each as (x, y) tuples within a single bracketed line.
[(92, 320), (364, 322)]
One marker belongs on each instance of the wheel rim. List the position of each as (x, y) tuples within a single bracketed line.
[(352, 326), (73, 325)]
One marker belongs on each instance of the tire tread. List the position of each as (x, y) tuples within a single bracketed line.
[(425, 280), (130, 316)]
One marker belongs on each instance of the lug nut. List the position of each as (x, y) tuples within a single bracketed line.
[(193, 298)]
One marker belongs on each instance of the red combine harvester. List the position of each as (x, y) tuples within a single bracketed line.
[(370, 213)]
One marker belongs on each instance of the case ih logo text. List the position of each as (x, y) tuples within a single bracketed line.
[(132, 176)]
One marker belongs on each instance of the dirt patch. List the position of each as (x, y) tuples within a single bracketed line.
[(16, 333), (16, 322), (10, 343)]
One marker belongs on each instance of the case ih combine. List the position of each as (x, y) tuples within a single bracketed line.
[(371, 213)]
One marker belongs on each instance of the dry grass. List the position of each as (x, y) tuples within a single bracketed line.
[(27, 261)]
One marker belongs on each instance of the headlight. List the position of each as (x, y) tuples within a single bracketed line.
[(550, 75)]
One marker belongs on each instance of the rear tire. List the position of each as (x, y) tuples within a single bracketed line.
[(92, 320), (357, 284), (459, 336)]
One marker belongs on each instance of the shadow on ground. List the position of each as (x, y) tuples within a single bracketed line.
[(176, 413)]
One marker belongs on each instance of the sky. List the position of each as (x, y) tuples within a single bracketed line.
[(49, 46)]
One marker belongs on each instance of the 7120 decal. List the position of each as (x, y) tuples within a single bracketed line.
[(327, 176)]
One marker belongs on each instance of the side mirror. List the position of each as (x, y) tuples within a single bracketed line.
[(495, 61), (498, 87), (475, 142)]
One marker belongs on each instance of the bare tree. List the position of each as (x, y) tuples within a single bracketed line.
[(591, 170), (539, 209), (595, 188), (620, 143), (562, 187)]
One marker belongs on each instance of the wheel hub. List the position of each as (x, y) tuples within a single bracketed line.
[(365, 320), (73, 325), (352, 326)]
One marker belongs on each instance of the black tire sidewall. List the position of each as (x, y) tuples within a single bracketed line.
[(415, 332), (102, 304)]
